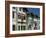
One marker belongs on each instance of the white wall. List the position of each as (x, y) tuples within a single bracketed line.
[(2, 19)]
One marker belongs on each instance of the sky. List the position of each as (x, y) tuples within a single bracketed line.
[(35, 11)]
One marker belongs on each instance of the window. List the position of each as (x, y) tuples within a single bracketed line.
[(21, 27), (20, 9), (13, 7), (19, 16), (18, 27), (13, 28), (30, 27), (13, 14), (35, 27), (14, 10), (24, 17)]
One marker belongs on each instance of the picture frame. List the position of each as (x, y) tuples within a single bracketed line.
[(11, 5)]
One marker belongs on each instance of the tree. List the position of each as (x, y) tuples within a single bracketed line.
[(32, 15), (25, 9)]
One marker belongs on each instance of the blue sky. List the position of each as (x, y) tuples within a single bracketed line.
[(36, 11)]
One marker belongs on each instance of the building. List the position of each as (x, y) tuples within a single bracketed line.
[(22, 20)]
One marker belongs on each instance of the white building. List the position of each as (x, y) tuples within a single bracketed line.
[(22, 20)]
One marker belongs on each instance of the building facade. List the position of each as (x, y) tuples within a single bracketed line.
[(23, 20)]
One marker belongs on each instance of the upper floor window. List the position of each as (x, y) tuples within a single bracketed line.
[(13, 8), (20, 9), (13, 13), (13, 28), (21, 16)]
